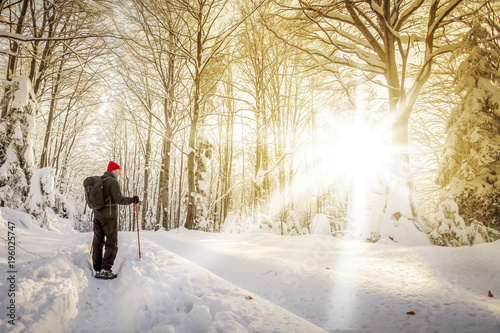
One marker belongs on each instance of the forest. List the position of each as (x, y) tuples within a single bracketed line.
[(380, 117)]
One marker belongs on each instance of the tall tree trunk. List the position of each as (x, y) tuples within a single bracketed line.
[(179, 203), (172, 199), (191, 209), (262, 155), (36, 43), (258, 151), (147, 157), (55, 91), (217, 211), (163, 212), (229, 165), (228, 148), (47, 51), (193, 130), (290, 184), (163, 200), (132, 189), (60, 147), (220, 186), (399, 117)]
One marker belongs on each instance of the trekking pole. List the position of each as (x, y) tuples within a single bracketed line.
[(138, 239)]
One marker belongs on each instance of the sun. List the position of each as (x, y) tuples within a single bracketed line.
[(348, 153), (346, 158), (360, 150)]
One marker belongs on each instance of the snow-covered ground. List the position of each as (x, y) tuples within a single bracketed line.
[(191, 281), (340, 285)]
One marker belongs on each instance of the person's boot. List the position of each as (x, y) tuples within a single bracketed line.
[(107, 274)]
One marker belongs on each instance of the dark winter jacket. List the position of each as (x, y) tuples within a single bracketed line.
[(112, 196)]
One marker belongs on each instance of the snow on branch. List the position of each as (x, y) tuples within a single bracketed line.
[(365, 56), (378, 68), (347, 35), (14, 36), (442, 13), (23, 93), (415, 4), (330, 15), (364, 30), (393, 29), (23, 38), (356, 65), (370, 77), (8, 52), (259, 178), (376, 8), (445, 49)]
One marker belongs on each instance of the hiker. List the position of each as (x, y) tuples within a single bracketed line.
[(106, 223)]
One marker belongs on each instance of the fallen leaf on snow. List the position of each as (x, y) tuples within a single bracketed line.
[(411, 313), (249, 297), (490, 294)]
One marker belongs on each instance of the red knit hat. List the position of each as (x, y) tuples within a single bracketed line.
[(113, 166)]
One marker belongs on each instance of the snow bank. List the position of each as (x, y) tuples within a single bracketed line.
[(48, 281), (48, 298), (21, 219), (48, 291), (165, 293), (390, 216), (195, 300), (321, 225), (41, 193), (450, 229), (24, 220)]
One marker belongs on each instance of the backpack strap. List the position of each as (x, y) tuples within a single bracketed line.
[(109, 198), (107, 201)]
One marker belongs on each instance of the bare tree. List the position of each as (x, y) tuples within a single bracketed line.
[(376, 38), (156, 47), (201, 43), (372, 39)]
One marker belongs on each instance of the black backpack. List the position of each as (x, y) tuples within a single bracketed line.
[(94, 194)]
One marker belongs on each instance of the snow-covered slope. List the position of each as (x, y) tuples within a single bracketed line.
[(191, 281), (341, 285), (159, 293)]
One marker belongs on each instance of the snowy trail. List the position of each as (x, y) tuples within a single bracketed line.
[(192, 282), (98, 307), (162, 292), (340, 285)]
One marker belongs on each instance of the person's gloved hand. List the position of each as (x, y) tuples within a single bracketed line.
[(135, 199)]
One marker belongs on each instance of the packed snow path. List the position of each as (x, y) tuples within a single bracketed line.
[(159, 293), (341, 285), (164, 293), (197, 282)]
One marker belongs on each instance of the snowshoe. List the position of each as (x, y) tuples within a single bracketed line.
[(105, 274)]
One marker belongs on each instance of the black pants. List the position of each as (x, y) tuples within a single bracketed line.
[(105, 234)]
